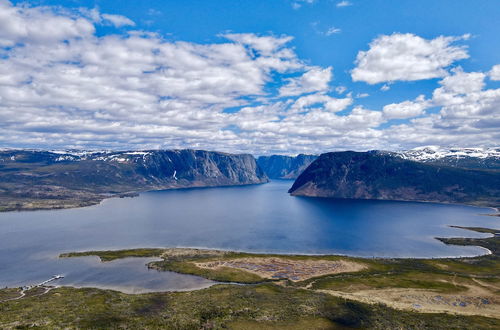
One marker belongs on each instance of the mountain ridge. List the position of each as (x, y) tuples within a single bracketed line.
[(34, 179)]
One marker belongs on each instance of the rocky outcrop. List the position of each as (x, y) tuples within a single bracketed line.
[(379, 175), (285, 167)]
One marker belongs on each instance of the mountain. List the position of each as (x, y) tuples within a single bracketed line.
[(479, 158), (43, 179), (383, 175), (285, 167)]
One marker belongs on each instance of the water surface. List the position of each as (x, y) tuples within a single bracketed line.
[(260, 218)]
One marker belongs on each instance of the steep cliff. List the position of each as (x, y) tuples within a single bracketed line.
[(285, 167), (87, 177), (379, 175)]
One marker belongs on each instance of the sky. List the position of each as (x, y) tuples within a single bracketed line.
[(261, 77)]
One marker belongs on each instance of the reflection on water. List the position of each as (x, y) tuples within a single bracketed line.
[(261, 218)]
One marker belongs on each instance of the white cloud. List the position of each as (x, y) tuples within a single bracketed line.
[(332, 30), (118, 20), (38, 25), (74, 88), (328, 103), (264, 45), (406, 109), (407, 57), (344, 4), (495, 72), (469, 116), (385, 87), (463, 82), (63, 86), (462, 97), (96, 16), (314, 80)]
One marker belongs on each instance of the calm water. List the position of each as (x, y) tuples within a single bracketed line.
[(262, 218)]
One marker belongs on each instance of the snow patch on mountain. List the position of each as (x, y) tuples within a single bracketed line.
[(430, 153)]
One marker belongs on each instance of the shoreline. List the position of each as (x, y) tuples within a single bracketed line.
[(496, 209), (291, 254), (100, 198), (464, 288), (132, 194), (104, 255)]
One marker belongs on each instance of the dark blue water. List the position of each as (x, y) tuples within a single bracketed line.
[(261, 218)]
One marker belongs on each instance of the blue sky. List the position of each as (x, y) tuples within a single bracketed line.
[(324, 35)]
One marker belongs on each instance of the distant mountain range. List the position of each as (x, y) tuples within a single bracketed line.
[(485, 158), (34, 179), (285, 167), (473, 179), (31, 179)]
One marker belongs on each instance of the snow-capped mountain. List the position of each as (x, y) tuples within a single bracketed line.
[(487, 158)]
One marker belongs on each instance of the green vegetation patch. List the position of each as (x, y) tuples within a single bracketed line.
[(223, 306), (414, 280), (9, 293), (223, 274), (113, 255)]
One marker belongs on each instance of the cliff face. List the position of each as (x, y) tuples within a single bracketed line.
[(376, 175), (285, 167), (88, 176)]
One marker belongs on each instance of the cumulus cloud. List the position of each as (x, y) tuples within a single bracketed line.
[(314, 80), (19, 24), (462, 96), (118, 20), (406, 109), (469, 115), (328, 103), (407, 57), (462, 82), (495, 72)]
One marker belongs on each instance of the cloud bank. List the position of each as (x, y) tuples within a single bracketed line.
[(63, 86)]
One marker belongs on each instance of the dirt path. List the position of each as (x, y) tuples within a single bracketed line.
[(23, 294), (487, 285)]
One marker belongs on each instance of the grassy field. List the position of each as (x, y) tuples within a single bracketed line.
[(266, 306)]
